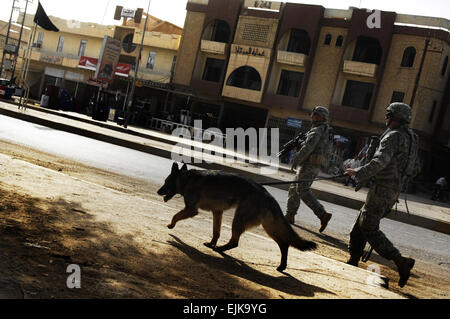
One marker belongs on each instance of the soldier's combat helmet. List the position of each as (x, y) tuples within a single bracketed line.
[(400, 111), (322, 112)]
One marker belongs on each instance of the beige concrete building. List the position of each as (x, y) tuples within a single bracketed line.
[(67, 59), (267, 64)]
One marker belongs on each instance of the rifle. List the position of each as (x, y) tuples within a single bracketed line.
[(294, 143), (373, 145)]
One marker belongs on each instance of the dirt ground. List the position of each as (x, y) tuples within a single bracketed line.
[(126, 256)]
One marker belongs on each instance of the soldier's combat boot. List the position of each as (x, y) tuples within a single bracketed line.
[(290, 218), (324, 221), (404, 266)]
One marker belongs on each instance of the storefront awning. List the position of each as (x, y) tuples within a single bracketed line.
[(122, 69)]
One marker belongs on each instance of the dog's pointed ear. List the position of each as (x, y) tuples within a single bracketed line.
[(184, 168), (174, 167)]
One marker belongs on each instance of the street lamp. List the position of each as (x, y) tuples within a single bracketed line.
[(133, 85)]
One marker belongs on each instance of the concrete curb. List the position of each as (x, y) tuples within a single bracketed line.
[(415, 220)]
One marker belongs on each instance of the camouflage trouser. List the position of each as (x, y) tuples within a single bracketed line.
[(380, 200), (302, 191)]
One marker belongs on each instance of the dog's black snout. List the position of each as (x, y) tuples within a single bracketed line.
[(161, 191)]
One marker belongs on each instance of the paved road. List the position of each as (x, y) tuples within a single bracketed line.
[(417, 242)]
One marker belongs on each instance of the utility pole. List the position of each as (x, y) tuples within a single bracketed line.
[(133, 85), (416, 83), (20, 39), (11, 48), (7, 37)]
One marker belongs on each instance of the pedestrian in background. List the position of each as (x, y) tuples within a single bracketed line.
[(353, 163), (439, 189)]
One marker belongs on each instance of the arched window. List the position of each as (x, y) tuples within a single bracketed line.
[(218, 31), (444, 66), (367, 50), (408, 57), (339, 41), (327, 39), (299, 42), (221, 31), (245, 77)]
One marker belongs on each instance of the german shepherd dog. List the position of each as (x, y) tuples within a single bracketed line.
[(219, 191)]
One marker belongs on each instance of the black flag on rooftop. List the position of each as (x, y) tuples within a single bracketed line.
[(41, 19)]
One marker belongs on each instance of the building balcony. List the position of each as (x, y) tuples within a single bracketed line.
[(292, 58), (213, 47), (161, 76), (360, 68), (242, 94), (51, 57)]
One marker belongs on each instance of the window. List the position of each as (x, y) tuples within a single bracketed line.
[(221, 31), (339, 41), (327, 39), (82, 49), (290, 83), (245, 77), (397, 97), (408, 57), (213, 70), (299, 42), (433, 109), (151, 60), (40, 38), (59, 48), (358, 94), (444, 66), (367, 50)]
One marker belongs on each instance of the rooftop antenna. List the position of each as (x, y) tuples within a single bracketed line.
[(106, 9), (133, 84)]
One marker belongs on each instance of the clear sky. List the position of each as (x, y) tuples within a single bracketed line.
[(174, 11)]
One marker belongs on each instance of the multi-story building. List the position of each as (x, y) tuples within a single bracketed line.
[(67, 59), (244, 63), (267, 64)]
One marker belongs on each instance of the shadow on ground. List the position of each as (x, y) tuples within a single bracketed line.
[(227, 264), (41, 238)]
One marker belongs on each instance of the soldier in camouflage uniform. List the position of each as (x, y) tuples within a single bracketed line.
[(310, 158), (392, 155)]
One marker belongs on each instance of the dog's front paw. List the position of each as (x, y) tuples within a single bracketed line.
[(281, 268), (170, 226), (210, 245)]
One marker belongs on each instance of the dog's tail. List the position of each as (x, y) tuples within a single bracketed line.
[(299, 243), (281, 231)]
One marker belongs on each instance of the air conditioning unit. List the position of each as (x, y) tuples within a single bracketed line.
[(37, 45)]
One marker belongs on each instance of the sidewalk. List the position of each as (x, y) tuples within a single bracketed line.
[(124, 250), (422, 211)]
